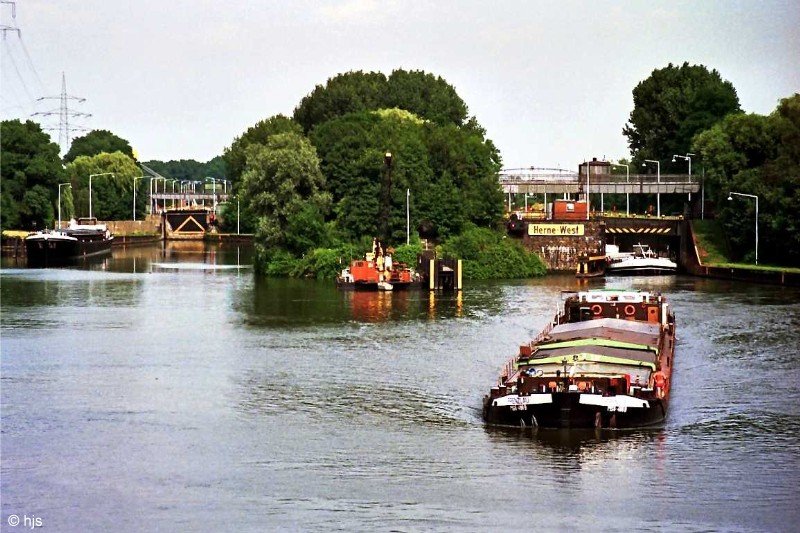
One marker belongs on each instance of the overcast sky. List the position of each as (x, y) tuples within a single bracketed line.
[(550, 81)]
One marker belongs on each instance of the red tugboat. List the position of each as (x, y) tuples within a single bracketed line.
[(605, 361), (376, 272)]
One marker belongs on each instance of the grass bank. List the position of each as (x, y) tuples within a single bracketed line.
[(713, 249)]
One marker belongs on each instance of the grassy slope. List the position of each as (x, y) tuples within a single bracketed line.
[(712, 247)]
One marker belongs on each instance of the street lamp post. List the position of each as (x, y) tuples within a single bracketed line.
[(90, 188), (588, 204), (730, 197), (134, 194), (59, 202), (173, 192), (214, 198), (687, 157), (658, 181), (627, 180), (408, 216)]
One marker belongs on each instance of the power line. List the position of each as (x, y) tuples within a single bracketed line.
[(28, 61), (16, 69)]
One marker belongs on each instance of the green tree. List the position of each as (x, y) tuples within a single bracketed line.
[(345, 93), (190, 169), (758, 155), (449, 170), (36, 208), (235, 156), (428, 96), (283, 186), (97, 142), (672, 105), (112, 195), (28, 159)]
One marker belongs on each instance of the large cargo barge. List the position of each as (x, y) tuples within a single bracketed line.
[(82, 239), (605, 361)]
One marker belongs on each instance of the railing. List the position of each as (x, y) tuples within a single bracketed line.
[(513, 179)]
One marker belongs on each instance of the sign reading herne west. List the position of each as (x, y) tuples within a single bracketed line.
[(555, 229)]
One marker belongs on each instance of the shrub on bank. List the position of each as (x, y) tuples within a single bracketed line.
[(319, 263), (488, 254)]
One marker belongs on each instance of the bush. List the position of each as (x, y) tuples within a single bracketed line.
[(486, 254), (489, 254), (407, 253), (320, 263)]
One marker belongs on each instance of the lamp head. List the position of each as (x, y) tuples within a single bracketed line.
[(673, 158), (644, 164), (730, 197)]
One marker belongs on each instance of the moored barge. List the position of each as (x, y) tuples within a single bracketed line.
[(605, 361), (81, 239)]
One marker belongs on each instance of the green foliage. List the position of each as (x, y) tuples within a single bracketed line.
[(281, 182), (407, 253), (490, 254), (27, 159), (235, 156), (671, 106), (325, 263), (421, 93), (190, 170), (757, 155), (36, 208), (97, 142), (712, 244), (450, 172), (112, 195), (320, 263)]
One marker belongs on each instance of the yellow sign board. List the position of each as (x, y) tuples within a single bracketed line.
[(555, 229)]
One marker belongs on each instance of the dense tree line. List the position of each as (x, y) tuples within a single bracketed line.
[(760, 155), (98, 142), (689, 109), (370, 144), (31, 171)]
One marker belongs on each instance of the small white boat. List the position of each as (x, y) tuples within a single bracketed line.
[(643, 260)]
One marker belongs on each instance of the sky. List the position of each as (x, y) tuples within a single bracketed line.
[(551, 82)]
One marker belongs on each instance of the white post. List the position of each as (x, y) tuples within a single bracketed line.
[(408, 216), (587, 190), (703, 195), (627, 194), (687, 157), (237, 216), (730, 197), (658, 181), (214, 198)]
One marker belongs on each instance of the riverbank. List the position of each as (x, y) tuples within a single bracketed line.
[(708, 258)]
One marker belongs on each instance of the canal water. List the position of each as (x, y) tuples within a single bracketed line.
[(174, 390)]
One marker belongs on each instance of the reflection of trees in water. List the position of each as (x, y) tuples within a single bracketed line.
[(70, 288), (305, 302), (291, 302), (139, 258)]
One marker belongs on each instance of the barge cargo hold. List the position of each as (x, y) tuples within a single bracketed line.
[(605, 361)]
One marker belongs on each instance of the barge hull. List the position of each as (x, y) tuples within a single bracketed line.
[(566, 411)]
